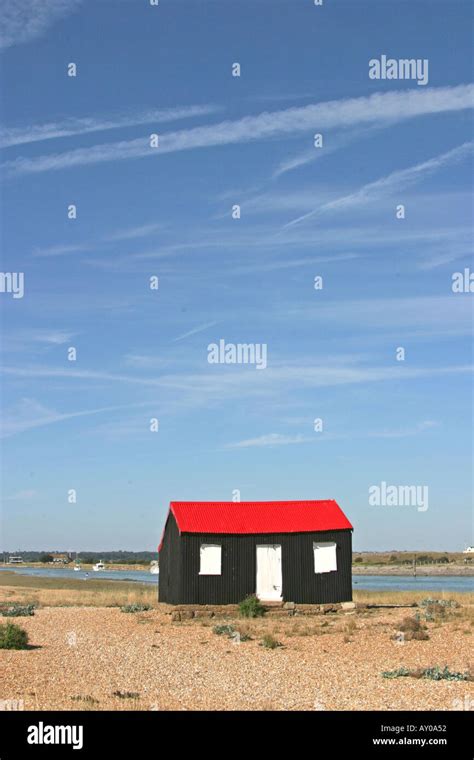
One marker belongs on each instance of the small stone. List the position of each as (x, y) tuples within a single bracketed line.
[(348, 605)]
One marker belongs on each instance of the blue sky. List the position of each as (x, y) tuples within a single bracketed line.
[(166, 212)]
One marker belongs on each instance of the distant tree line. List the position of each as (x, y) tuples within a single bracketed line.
[(423, 559), (120, 557)]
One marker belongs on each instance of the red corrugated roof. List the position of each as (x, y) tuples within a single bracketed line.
[(258, 516)]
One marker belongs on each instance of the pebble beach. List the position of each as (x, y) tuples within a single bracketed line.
[(100, 658)]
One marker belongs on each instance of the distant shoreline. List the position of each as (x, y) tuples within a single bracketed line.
[(69, 566), (448, 569), (421, 570)]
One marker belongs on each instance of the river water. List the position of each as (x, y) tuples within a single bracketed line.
[(430, 583), (139, 576)]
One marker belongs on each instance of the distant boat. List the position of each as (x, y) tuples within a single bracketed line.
[(99, 566), (154, 569), (77, 568)]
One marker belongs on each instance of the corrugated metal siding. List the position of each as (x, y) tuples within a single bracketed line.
[(169, 585), (300, 583)]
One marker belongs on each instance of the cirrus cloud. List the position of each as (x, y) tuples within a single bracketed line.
[(23, 20)]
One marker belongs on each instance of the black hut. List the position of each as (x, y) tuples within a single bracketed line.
[(220, 552)]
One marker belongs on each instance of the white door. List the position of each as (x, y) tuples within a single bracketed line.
[(269, 579)]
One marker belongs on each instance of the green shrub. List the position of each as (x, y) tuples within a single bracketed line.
[(135, 607), (437, 608), (13, 637), (433, 674), (224, 630), (436, 674), (429, 602), (399, 673), (251, 607), (231, 633), (270, 642), (17, 610)]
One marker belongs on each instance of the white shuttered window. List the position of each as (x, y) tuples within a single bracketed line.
[(324, 557), (210, 559)]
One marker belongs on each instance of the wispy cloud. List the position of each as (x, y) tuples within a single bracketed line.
[(10, 136), (432, 315), (44, 335), (263, 237), (61, 250), (402, 178), (133, 233), (392, 182), (25, 495), (300, 159), (440, 259), (32, 339), (29, 414), (186, 390), (77, 374), (270, 439), (272, 202), (194, 331), (280, 439), (129, 233), (200, 388), (330, 145), (136, 427), (23, 20), (146, 361), (375, 109), (270, 266)]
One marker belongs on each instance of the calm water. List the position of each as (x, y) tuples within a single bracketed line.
[(138, 576), (431, 583)]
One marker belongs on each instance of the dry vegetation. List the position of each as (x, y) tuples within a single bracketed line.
[(401, 563), (54, 592), (58, 592), (397, 557), (408, 597)]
